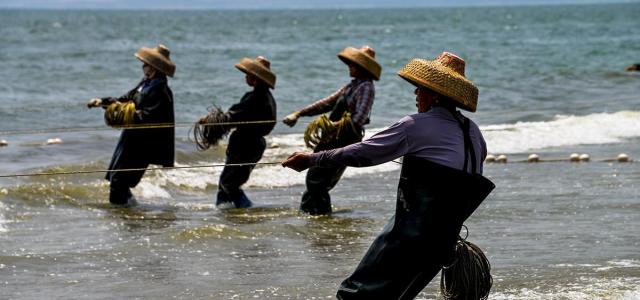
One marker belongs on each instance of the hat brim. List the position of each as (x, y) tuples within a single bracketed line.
[(352, 55), (249, 66), (156, 60), (434, 76)]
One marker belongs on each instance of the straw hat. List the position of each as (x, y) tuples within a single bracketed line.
[(444, 75), (158, 58), (259, 67), (364, 57)]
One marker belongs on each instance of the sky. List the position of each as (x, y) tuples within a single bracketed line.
[(272, 4)]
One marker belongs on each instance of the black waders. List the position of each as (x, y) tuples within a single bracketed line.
[(433, 201), (320, 180)]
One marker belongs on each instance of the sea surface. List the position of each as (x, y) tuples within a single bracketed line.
[(551, 81)]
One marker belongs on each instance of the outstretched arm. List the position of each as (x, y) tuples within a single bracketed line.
[(384, 146), (318, 107)]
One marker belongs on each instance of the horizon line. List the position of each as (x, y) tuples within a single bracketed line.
[(347, 7)]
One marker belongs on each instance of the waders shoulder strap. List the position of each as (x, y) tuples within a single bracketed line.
[(469, 151)]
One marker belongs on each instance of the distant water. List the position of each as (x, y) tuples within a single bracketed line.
[(551, 81)]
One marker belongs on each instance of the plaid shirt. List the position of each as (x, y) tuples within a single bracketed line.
[(362, 94)]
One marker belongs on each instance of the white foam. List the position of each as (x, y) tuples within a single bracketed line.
[(586, 288), (199, 179), (2, 219), (149, 190), (263, 176), (277, 176), (506, 138), (601, 128), (631, 295)]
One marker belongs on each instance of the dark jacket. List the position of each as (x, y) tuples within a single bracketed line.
[(154, 104), (257, 105)]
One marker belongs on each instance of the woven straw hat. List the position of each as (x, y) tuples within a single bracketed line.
[(444, 75), (364, 57), (259, 67), (158, 58)]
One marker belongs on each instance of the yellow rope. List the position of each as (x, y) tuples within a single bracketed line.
[(319, 130), (135, 169), (120, 113), (322, 130)]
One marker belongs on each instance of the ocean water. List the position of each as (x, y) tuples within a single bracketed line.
[(551, 82)]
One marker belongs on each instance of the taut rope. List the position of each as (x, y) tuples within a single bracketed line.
[(134, 169)]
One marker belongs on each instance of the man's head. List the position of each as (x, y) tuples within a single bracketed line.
[(156, 61), (258, 72), (362, 62), (441, 81)]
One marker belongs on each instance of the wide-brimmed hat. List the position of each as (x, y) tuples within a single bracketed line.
[(364, 57), (444, 75), (158, 58), (260, 68)]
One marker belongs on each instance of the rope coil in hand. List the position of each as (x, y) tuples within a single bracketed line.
[(323, 131), (211, 129), (120, 113)]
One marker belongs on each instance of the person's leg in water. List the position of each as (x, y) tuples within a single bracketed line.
[(229, 192), (239, 151), (120, 187), (319, 181), (409, 252)]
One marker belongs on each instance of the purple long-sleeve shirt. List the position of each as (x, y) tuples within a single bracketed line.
[(433, 135)]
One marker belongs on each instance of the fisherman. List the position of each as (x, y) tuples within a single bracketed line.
[(355, 98), (440, 183), (139, 147), (246, 143)]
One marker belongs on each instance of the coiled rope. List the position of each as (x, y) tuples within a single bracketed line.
[(323, 131), (207, 136), (469, 276), (120, 113), (134, 169)]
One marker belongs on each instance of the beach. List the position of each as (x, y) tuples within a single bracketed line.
[(551, 82)]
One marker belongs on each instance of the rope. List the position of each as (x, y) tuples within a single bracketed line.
[(135, 126), (208, 136), (135, 169), (120, 113), (469, 275), (324, 131), (44, 107)]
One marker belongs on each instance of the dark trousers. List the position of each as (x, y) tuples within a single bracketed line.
[(241, 149), (410, 251), (122, 182), (320, 180)]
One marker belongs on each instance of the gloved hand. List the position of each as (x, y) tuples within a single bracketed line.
[(291, 119), (95, 102)]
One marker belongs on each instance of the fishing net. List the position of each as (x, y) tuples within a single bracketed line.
[(324, 131), (469, 276), (120, 113), (208, 131)]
